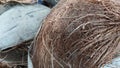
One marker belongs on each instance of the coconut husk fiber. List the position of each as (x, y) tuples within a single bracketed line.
[(78, 34), (15, 57), (3, 64)]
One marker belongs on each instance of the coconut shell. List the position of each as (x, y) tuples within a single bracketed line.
[(15, 57), (78, 34)]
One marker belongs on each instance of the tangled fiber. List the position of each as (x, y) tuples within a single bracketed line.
[(78, 34), (3, 64), (15, 57)]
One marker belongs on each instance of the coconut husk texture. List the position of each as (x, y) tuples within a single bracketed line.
[(15, 57), (78, 34)]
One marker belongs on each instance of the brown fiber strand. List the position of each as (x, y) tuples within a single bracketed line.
[(78, 34)]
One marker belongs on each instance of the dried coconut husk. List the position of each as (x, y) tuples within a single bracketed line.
[(78, 34), (15, 57), (4, 64)]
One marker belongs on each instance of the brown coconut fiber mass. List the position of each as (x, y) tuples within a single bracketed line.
[(4, 64), (78, 34)]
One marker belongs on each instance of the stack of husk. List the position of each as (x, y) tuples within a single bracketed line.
[(78, 34)]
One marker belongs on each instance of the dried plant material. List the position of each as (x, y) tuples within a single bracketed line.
[(16, 56), (4, 64), (78, 34)]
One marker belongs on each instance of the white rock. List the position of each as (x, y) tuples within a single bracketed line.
[(20, 24)]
